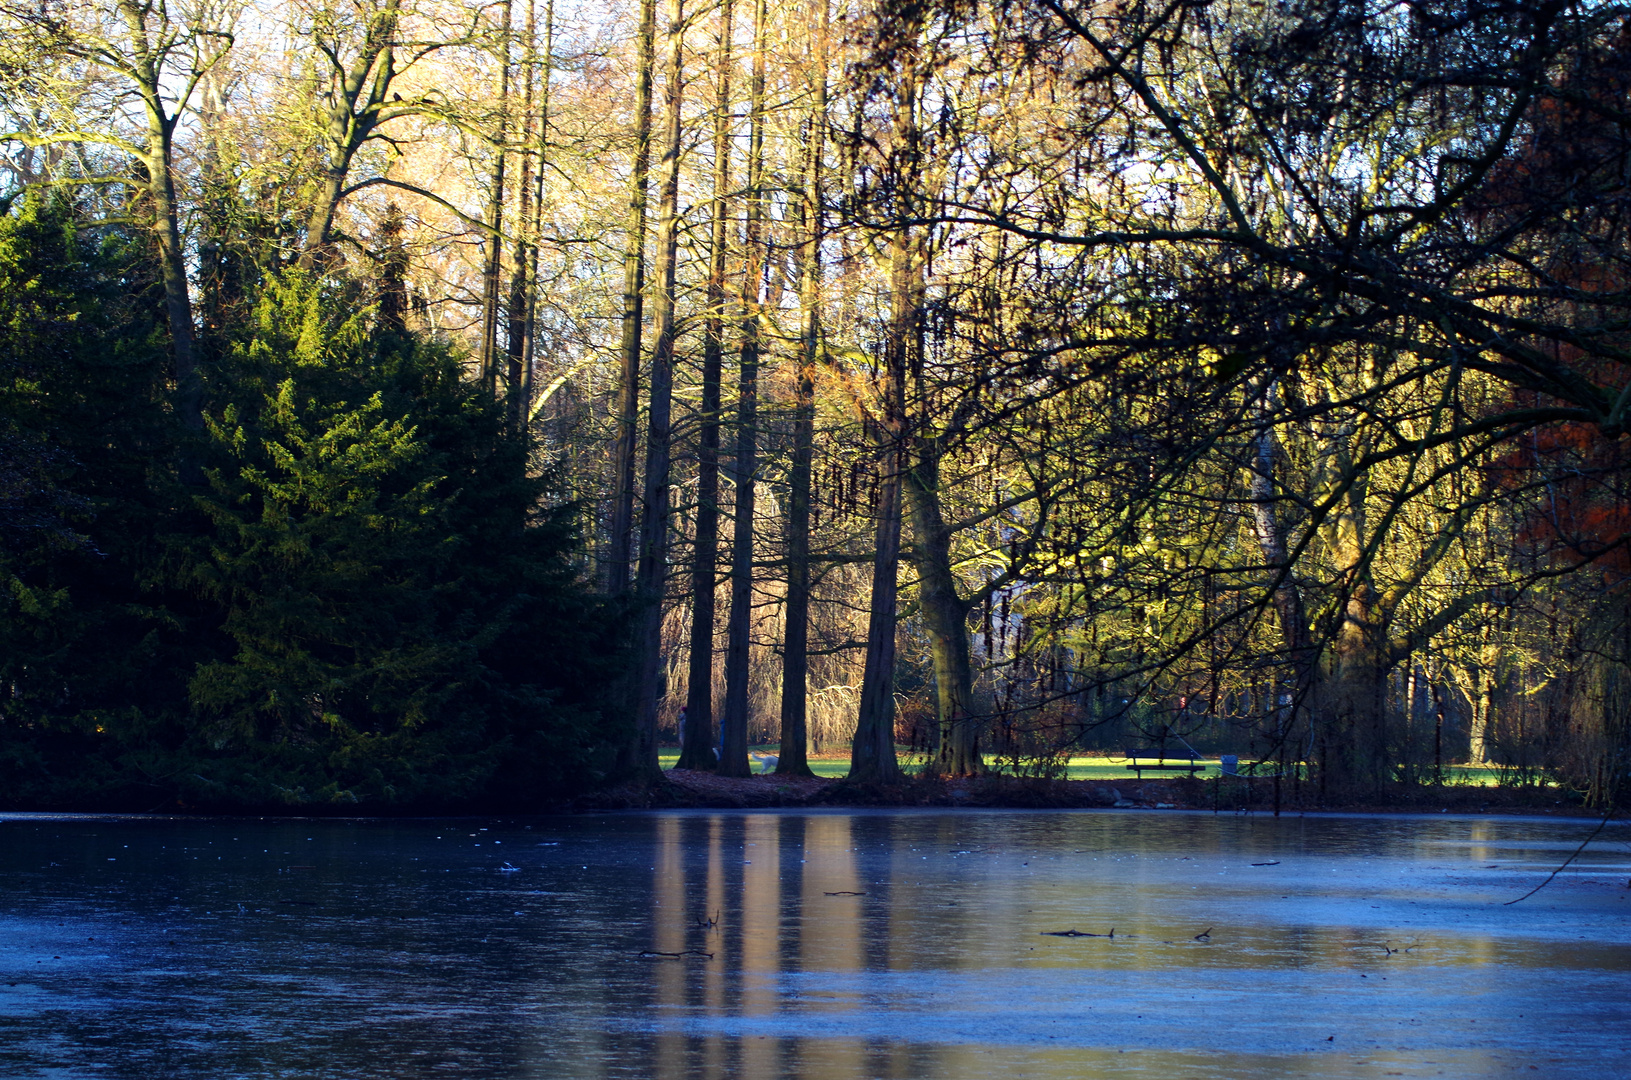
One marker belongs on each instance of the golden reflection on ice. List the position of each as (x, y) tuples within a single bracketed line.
[(837, 934)]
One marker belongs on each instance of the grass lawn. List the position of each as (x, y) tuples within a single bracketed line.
[(837, 765), (1084, 768), (832, 767), (1081, 768)]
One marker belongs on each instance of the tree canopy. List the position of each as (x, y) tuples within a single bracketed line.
[(416, 403)]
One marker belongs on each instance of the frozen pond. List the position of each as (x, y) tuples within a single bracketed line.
[(842, 945)]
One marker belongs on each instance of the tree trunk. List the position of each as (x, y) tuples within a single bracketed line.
[(1412, 773), (872, 755), (1288, 602), (745, 466), (793, 754), (392, 315), (956, 740), (653, 568), (178, 308), (634, 279), (492, 271), (352, 115), (1483, 697), (535, 222), (1438, 730), (1357, 747), (166, 226), (697, 751), (518, 317), (219, 296)]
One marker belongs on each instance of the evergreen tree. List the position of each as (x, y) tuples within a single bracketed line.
[(374, 601), (405, 624)]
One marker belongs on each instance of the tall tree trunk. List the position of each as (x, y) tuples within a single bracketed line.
[(393, 274), (793, 755), (178, 308), (218, 294), (355, 109), (745, 465), (533, 223), (1357, 745), (945, 618), (653, 571), (1483, 703), (1288, 602), (954, 742), (872, 755), (493, 270), (161, 191), (518, 317), (1412, 773), (634, 286), (1438, 725), (697, 750)]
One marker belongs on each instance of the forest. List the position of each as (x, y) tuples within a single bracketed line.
[(415, 404)]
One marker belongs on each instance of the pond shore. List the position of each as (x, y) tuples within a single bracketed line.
[(684, 788)]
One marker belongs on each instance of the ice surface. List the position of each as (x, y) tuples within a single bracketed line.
[(814, 945)]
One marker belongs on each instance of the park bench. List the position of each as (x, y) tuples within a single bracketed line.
[(1158, 760)]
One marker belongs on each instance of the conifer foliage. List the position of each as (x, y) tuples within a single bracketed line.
[(364, 604)]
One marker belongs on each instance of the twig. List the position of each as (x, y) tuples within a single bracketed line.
[(1601, 825), (675, 955), (1076, 933), (845, 892)]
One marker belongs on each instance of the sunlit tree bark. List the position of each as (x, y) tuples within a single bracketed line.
[(872, 754), (745, 462), (654, 529), (697, 751), (618, 561), (493, 266), (793, 755), (162, 55)]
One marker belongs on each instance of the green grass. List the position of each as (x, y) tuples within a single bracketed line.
[(1474, 775), (1097, 768), (832, 768), (1081, 768)]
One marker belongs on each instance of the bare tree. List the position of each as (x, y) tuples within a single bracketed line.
[(793, 756), (697, 752), (745, 463), (162, 55), (618, 560), (654, 529)]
